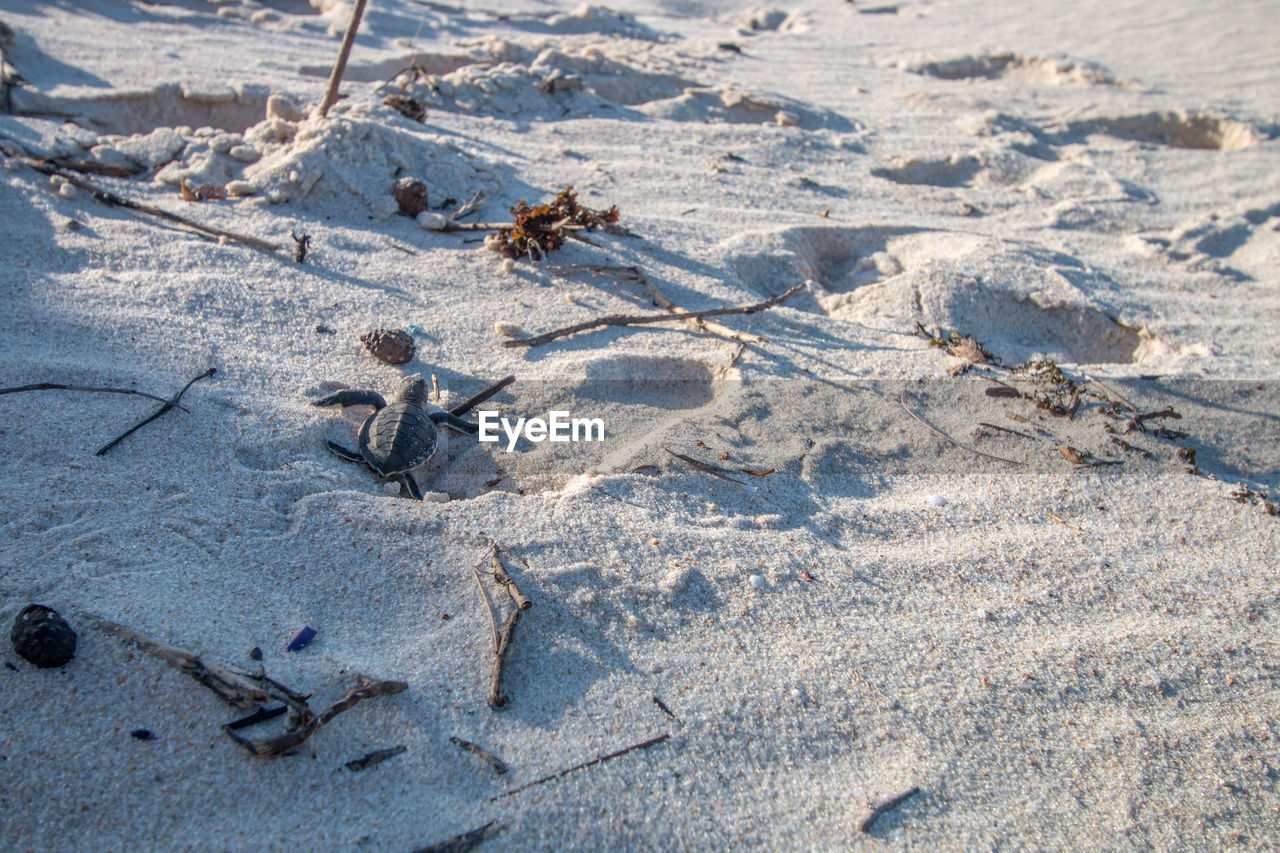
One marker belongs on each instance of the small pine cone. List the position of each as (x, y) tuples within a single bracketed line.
[(43, 637), (411, 195), (390, 346)]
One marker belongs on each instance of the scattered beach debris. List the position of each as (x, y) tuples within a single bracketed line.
[(340, 64), (502, 637), (259, 716), (713, 470), (410, 195), (301, 245), (204, 192), (1140, 418), (143, 734), (49, 167), (171, 403), (662, 706), (499, 766), (542, 229), (632, 274), (302, 639), (390, 346), (902, 401), (644, 319), (372, 759), (41, 636), (467, 841), (600, 759), (884, 808), (400, 435), (239, 690), (409, 107)]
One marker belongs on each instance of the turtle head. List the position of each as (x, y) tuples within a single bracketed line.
[(413, 389)]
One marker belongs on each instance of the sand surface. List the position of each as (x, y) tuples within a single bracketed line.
[(1062, 633)]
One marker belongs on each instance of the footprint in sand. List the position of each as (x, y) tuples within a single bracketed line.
[(1006, 65)]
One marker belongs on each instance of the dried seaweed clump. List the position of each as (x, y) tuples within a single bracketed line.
[(538, 230)]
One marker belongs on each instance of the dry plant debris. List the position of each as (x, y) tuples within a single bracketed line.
[(541, 229), (240, 691)]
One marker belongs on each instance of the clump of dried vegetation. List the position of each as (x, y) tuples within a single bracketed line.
[(538, 230)]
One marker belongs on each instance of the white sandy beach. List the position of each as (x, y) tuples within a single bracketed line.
[(879, 573)]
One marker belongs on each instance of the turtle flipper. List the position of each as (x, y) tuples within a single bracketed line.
[(343, 453), (353, 398), (412, 486), (454, 422)]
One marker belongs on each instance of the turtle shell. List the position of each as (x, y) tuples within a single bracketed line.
[(398, 438)]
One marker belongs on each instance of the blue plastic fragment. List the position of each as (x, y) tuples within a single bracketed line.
[(304, 638), (416, 331)]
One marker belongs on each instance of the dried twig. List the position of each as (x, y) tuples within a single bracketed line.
[(374, 758), (497, 699), (1006, 429), (49, 167), (1137, 421), (645, 319), (597, 760), (471, 402), (236, 689), (886, 807), (1064, 522), (662, 706), (499, 766), (698, 323), (340, 64), (493, 623), (259, 716), (54, 386), (229, 686), (500, 575), (902, 401), (465, 842), (309, 723), (171, 403), (713, 470)]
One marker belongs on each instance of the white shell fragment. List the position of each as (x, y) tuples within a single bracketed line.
[(937, 500), (757, 581)]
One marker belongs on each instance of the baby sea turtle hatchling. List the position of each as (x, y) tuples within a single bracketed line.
[(400, 435)]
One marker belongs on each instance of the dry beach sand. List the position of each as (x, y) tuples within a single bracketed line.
[(1052, 621)]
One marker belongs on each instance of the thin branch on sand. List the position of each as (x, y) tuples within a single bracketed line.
[(497, 699), (886, 807), (340, 64), (50, 167), (645, 319), (499, 766), (471, 402), (171, 403), (56, 386), (902, 401), (654, 741)]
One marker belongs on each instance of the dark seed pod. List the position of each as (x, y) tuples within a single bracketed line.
[(43, 637), (411, 195), (390, 346)]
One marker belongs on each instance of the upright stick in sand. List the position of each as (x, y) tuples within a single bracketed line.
[(340, 64)]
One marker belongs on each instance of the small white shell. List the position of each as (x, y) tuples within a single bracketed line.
[(757, 581), (937, 500)]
